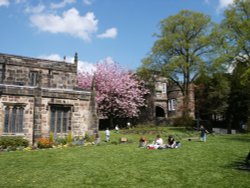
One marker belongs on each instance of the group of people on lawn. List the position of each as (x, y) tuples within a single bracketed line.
[(171, 143), (158, 143)]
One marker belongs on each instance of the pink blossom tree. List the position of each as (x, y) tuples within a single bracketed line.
[(119, 93)]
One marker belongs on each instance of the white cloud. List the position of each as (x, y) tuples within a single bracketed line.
[(109, 33), (36, 9), (86, 67), (87, 2), (53, 57), (71, 22), (107, 59), (82, 65), (61, 4), (224, 3), (4, 3)]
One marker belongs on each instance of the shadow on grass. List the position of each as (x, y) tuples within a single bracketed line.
[(242, 138), (241, 164)]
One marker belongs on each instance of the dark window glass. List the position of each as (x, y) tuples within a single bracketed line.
[(20, 119), (33, 78), (2, 70), (13, 119), (59, 119), (65, 120), (6, 119), (52, 120)]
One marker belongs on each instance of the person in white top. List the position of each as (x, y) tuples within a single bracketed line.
[(158, 142), (128, 125), (116, 129), (107, 133)]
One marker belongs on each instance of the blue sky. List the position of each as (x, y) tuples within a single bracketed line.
[(120, 30)]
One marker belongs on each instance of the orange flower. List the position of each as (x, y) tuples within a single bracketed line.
[(44, 143)]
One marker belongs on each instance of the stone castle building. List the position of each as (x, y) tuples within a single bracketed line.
[(39, 96), (166, 102)]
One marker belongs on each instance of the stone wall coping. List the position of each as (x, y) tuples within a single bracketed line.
[(18, 86), (49, 89), (66, 90), (38, 63)]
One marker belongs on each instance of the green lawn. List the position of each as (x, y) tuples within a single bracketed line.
[(196, 164)]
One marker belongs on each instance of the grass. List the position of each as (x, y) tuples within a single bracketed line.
[(196, 164)]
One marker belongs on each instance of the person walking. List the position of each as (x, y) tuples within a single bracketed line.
[(107, 133), (203, 134), (116, 129)]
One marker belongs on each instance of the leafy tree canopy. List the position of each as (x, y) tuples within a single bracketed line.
[(183, 49), (236, 34)]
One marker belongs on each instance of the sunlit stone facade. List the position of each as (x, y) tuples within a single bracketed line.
[(39, 96)]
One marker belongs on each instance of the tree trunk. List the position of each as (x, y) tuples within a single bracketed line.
[(111, 120), (229, 126), (185, 112)]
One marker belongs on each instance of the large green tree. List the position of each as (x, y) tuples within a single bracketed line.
[(212, 95), (236, 26), (238, 108), (235, 29), (182, 50)]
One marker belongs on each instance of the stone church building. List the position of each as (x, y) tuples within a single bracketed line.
[(40, 96), (165, 103), (168, 99)]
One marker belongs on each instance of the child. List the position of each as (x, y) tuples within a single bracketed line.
[(142, 142), (116, 129), (107, 133), (158, 143), (158, 140), (203, 136), (171, 142)]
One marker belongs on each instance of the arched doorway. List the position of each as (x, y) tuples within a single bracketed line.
[(159, 112)]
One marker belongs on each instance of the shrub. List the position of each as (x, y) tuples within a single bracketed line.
[(78, 140), (114, 142), (61, 141), (69, 138), (86, 137), (51, 137), (44, 143), (89, 138), (13, 142), (92, 138)]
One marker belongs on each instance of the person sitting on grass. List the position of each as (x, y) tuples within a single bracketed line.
[(158, 142), (142, 142), (171, 142)]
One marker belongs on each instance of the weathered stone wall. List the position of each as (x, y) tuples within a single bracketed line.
[(162, 95), (79, 115), (50, 74), (56, 84), (28, 113), (175, 93)]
